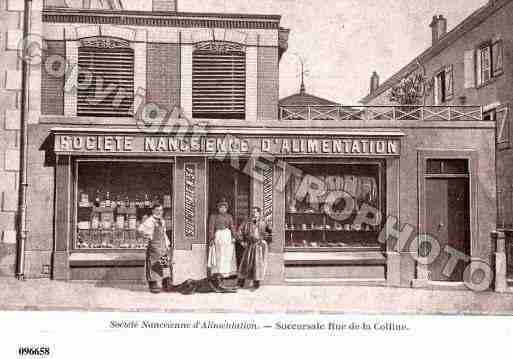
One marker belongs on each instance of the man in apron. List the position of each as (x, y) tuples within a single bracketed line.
[(158, 251)]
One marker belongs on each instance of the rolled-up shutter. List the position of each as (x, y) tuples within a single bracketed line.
[(219, 84), (105, 81)]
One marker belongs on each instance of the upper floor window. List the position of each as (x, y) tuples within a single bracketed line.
[(443, 87), (219, 80), (105, 78), (489, 62)]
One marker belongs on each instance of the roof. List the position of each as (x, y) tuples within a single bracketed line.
[(470, 23), (305, 99)]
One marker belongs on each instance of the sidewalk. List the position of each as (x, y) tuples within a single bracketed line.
[(45, 294)]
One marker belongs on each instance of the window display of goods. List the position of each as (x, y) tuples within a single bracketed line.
[(112, 219)]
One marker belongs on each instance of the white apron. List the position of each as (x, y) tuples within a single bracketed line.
[(222, 258)]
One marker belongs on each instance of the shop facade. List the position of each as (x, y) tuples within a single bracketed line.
[(188, 113), (347, 205)]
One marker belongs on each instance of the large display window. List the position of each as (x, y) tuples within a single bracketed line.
[(335, 206), (113, 197)]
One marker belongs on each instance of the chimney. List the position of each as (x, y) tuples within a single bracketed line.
[(438, 28), (165, 5), (374, 82)]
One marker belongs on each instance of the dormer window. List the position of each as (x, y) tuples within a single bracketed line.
[(219, 80), (105, 78)]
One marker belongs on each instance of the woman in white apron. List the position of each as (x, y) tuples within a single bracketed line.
[(221, 236)]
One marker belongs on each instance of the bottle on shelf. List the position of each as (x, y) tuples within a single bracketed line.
[(107, 199), (147, 202), (102, 201), (97, 198), (120, 202)]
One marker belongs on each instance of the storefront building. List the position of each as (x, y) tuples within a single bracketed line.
[(194, 116)]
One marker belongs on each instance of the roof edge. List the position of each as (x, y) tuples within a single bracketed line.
[(174, 14), (468, 24)]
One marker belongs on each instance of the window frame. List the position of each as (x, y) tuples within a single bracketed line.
[(489, 46), (72, 235), (443, 89), (381, 168), (108, 44), (238, 79)]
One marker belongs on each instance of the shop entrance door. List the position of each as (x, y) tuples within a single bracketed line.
[(229, 182), (448, 221)]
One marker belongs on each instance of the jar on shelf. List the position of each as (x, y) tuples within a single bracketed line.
[(120, 221), (132, 221), (95, 221)]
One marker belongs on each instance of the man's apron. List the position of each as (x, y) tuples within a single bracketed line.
[(156, 265)]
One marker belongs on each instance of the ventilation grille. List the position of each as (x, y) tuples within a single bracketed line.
[(105, 82), (218, 84)]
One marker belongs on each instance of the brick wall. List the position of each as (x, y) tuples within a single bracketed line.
[(163, 75), (268, 86)]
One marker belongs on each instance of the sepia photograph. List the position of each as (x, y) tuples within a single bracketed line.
[(338, 157)]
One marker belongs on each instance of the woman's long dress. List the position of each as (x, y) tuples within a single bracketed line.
[(222, 259), (254, 259)]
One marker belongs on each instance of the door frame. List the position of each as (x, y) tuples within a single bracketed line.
[(472, 157)]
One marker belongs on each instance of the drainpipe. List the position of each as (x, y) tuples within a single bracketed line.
[(21, 227)]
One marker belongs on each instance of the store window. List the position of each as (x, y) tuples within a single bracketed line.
[(335, 207), (219, 80), (489, 61), (105, 77), (113, 198)]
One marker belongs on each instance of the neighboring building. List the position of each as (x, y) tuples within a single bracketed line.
[(152, 104), (472, 64)]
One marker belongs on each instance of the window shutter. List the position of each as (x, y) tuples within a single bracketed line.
[(105, 82), (449, 82), (479, 70), (436, 90), (470, 69), (497, 58), (502, 123), (219, 84)]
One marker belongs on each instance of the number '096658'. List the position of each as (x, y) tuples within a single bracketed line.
[(33, 351)]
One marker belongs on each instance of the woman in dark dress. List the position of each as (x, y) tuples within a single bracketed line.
[(256, 234)]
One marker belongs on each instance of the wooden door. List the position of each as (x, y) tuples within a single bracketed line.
[(448, 221), (233, 185)]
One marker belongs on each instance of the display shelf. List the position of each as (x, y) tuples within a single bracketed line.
[(335, 249), (332, 230)]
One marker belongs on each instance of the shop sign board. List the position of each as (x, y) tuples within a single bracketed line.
[(215, 144)]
